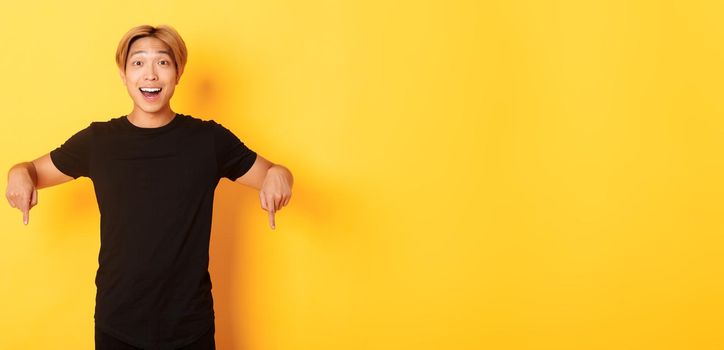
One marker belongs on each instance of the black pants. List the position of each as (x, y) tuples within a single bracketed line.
[(107, 342)]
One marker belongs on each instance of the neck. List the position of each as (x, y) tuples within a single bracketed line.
[(145, 119)]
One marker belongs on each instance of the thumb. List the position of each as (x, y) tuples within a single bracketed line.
[(34, 198)]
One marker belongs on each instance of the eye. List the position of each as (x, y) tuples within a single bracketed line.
[(134, 63), (164, 62)]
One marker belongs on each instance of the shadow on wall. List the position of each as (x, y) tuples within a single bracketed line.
[(208, 76), (78, 205), (225, 235), (232, 242), (326, 204)]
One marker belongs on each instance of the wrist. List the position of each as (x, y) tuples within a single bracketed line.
[(25, 169), (274, 167), (19, 169), (278, 169)]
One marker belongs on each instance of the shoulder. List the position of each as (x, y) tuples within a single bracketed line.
[(106, 122), (223, 136), (216, 128), (105, 126), (195, 121)]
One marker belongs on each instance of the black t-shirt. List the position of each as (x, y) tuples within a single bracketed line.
[(155, 190)]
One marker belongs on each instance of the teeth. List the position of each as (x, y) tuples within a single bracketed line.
[(150, 89)]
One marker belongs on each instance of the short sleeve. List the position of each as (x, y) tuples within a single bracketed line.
[(73, 156), (233, 158)]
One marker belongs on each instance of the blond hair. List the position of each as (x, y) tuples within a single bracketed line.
[(163, 32)]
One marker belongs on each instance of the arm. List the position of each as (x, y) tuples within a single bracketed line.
[(274, 183), (25, 179)]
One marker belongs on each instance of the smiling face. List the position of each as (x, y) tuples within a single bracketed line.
[(150, 76)]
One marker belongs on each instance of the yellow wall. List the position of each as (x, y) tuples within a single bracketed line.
[(469, 174)]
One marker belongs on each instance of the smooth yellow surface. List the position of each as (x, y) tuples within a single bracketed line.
[(469, 174)]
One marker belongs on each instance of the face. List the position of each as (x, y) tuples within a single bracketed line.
[(150, 67)]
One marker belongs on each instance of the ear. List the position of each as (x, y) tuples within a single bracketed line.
[(123, 76)]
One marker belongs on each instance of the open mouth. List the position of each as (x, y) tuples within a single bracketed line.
[(150, 93)]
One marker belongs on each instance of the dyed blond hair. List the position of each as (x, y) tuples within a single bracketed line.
[(163, 32)]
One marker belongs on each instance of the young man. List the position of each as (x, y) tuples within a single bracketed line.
[(154, 172)]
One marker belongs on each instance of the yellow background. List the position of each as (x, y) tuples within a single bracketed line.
[(468, 174)]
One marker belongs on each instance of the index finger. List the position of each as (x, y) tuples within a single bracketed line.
[(271, 219), (26, 215)]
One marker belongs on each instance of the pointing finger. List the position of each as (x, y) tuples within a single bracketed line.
[(25, 216), (271, 219)]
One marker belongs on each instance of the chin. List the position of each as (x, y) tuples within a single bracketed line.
[(150, 107)]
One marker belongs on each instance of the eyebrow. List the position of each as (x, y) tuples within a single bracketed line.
[(160, 51)]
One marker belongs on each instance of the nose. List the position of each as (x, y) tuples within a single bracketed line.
[(150, 73)]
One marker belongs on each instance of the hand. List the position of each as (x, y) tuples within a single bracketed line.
[(21, 192), (276, 191)]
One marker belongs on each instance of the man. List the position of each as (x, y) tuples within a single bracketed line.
[(154, 172)]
